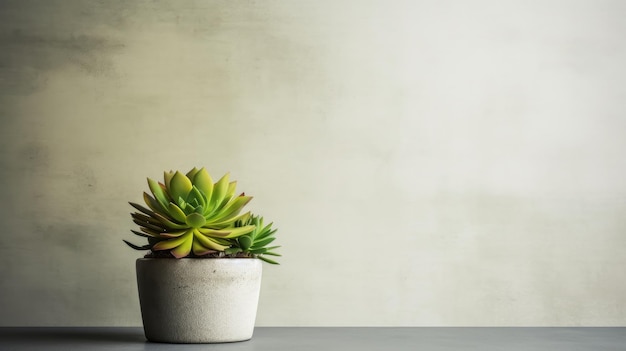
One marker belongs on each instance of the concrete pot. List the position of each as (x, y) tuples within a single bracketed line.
[(192, 300)]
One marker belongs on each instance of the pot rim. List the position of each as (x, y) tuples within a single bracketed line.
[(197, 258)]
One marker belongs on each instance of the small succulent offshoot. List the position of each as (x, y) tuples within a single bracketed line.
[(256, 242), (191, 216)]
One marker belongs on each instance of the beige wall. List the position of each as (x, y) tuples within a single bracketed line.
[(426, 162)]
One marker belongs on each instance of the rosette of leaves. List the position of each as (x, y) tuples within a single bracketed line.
[(255, 243), (189, 213)]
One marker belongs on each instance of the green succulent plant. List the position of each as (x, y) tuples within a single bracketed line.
[(190, 215), (256, 242)]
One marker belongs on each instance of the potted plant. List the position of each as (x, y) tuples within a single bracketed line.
[(200, 282)]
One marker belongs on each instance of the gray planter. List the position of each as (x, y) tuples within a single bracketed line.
[(193, 300)]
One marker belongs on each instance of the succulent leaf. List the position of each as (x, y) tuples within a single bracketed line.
[(167, 177), (267, 260), (158, 192), (176, 212), (180, 186), (152, 233), (204, 183), (142, 234), (230, 192), (143, 219), (168, 223), (264, 233), (152, 203), (234, 206), (272, 253), (196, 195), (200, 250), (195, 220), (229, 220), (235, 232), (192, 173), (209, 242), (140, 217), (245, 242), (141, 208), (213, 232), (183, 249), (168, 235), (171, 243), (144, 247), (263, 242), (219, 192), (148, 226)]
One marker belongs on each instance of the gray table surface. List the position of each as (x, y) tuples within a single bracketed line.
[(328, 339)]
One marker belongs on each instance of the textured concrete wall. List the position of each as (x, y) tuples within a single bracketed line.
[(426, 162)]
